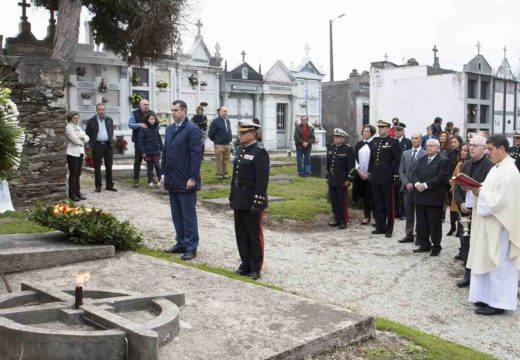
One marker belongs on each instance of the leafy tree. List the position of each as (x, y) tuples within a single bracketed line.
[(137, 30)]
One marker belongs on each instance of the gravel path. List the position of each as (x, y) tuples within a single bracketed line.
[(364, 272)]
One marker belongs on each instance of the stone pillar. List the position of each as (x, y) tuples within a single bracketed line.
[(38, 90)]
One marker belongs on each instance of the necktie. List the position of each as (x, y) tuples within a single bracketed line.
[(429, 160), (227, 127), (413, 154)]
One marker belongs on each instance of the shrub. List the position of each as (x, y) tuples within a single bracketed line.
[(87, 226)]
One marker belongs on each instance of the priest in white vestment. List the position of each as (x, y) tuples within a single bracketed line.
[(494, 256)]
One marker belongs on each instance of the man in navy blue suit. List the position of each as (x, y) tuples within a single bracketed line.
[(181, 159)]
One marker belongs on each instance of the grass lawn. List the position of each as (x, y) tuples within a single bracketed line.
[(15, 222)]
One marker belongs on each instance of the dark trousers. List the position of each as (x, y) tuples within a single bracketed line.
[(303, 160), (184, 217), (429, 226), (74, 163), (365, 193), (138, 159), (409, 210), (150, 165), (103, 152), (383, 198), (250, 239), (399, 203), (339, 202)]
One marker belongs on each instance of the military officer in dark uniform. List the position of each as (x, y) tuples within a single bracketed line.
[(340, 167), (514, 151), (248, 198), (404, 144), (383, 169)]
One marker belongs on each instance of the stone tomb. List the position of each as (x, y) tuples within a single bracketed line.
[(40, 323)]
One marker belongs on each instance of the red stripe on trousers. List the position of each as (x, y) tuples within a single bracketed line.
[(261, 238)]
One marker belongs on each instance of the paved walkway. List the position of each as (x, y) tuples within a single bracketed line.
[(364, 272)]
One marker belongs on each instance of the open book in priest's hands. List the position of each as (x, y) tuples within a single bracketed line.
[(465, 180)]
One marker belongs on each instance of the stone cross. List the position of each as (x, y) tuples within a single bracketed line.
[(478, 47), (243, 53), (307, 49), (435, 50), (505, 51), (198, 25), (24, 6), (386, 57)]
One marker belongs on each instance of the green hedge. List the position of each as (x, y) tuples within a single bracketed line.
[(87, 226)]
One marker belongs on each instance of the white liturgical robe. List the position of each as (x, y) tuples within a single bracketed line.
[(495, 241)]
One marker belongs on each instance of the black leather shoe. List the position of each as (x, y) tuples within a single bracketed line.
[(175, 249), (388, 235), (342, 226), (435, 252), (111, 189), (333, 223), (480, 304), (488, 310), (74, 198), (98, 189), (457, 257), (82, 197), (465, 282), (421, 249), (375, 232), (406, 239), (190, 255), (255, 275), (451, 232), (242, 272)]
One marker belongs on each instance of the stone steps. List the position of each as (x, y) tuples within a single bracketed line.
[(21, 252)]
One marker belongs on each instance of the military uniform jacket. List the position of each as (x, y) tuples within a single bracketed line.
[(405, 144), (385, 156), (250, 178), (340, 163), (514, 152)]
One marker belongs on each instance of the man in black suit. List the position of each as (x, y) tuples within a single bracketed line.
[(383, 170), (477, 168), (100, 129), (430, 177), (404, 144)]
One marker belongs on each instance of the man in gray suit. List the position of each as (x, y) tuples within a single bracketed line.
[(408, 161)]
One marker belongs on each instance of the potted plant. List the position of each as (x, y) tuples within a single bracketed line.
[(103, 86), (135, 99), (163, 121), (194, 80), (121, 144), (162, 84), (203, 84), (86, 96), (104, 100), (135, 78), (89, 162)]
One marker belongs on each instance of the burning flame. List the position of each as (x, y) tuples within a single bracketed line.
[(81, 278)]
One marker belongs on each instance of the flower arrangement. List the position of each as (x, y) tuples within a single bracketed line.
[(163, 121), (121, 144), (203, 84), (104, 100), (135, 98), (135, 77), (87, 225), (103, 86), (89, 161), (162, 84), (11, 135), (86, 95), (193, 79), (81, 70)]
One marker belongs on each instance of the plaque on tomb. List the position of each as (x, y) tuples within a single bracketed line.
[(162, 101), (113, 86), (280, 88), (86, 97), (244, 87), (139, 77), (86, 108), (86, 85), (111, 98)]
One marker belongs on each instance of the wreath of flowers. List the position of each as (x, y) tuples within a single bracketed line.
[(193, 79), (162, 84)]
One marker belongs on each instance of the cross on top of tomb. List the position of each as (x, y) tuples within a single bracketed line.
[(243, 53), (307, 50), (478, 47), (386, 56), (435, 50), (198, 24), (24, 6)]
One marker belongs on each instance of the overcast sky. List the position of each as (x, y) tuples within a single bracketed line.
[(271, 30)]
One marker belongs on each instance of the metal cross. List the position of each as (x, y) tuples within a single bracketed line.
[(243, 53), (435, 50), (307, 49), (24, 6), (478, 47), (386, 57), (198, 24)]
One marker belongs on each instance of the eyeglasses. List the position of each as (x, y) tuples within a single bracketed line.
[(474, 145)]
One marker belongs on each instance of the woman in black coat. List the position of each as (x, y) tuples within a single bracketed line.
[(150, 144)]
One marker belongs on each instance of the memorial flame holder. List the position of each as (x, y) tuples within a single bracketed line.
[(42, 323)]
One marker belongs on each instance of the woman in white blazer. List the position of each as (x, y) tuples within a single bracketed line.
[(76, 140)]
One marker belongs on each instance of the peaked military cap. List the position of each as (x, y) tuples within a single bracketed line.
[(340, 132), (516, 133), (247, 126), (400, 125), (382, 123)]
